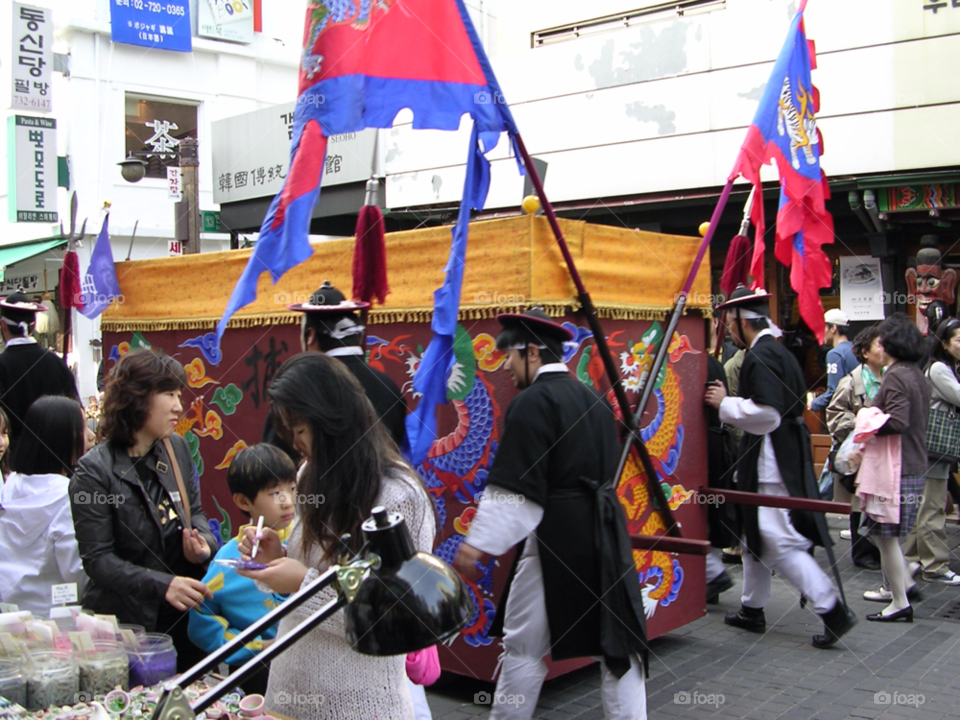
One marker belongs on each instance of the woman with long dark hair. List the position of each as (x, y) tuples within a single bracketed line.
[(904, 395), (37, 545), (352, 466), (926, 545), (146, 545)]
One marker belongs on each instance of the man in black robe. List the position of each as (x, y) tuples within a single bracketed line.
[(573, 590), (27, 371), (774, 459), (330, 325)]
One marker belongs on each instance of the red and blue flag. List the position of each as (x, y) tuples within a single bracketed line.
[(784, 130), (363, 62)]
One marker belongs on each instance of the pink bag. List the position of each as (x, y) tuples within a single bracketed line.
[(423, 666)]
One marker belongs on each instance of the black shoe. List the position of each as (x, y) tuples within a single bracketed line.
[(836, 623), (914, 594), (721, 583), (731, 558), (906, 615), (868, 563), (747, 618)]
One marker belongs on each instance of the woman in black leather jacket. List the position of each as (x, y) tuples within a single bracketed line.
[(142, 554)]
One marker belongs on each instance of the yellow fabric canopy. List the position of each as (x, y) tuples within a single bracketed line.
[(511, 263)]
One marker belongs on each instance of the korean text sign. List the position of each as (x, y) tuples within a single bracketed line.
[(32, 167), (32, 64), (161, 24)]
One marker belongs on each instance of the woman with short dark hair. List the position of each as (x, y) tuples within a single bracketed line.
[(38, 548), (146, 550), (904, 395)]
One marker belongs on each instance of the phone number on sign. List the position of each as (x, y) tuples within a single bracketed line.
[(158, 7), (35, 103)]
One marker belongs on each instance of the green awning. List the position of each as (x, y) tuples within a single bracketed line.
[(17, 252)]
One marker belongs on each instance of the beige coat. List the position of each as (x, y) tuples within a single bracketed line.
[(848, 398)]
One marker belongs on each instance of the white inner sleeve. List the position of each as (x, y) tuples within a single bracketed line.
[(748, 416), (503, 519)]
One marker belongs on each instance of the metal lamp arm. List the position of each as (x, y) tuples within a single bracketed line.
[(274, 616), (264, 657)]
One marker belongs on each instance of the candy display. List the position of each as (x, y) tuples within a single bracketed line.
[(103, 667), (137, 704), (13, 685), (52, 679), (153, 660)]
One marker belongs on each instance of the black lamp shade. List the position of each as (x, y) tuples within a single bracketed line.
[(412, 601)]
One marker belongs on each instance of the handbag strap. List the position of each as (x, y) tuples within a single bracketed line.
[(184, 498)]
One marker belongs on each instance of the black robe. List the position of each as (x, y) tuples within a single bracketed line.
[(28, 372), (771, 376), (387, 400), (721, 463), (559, 444)]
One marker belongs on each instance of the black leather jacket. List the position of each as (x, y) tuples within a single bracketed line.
[(119, 532)]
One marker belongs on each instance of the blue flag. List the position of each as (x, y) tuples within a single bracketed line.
[(99, 285)]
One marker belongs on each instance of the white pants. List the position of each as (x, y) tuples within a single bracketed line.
[(421, 710), (714, 565), (784, 552), (526, 639)]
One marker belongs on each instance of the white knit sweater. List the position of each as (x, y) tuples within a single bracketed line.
[(321, 677)]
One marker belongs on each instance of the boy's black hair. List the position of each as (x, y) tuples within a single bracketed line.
[(510, 336), (257, 468)]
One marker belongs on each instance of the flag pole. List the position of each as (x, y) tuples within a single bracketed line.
[(650, 381), (590, 312)]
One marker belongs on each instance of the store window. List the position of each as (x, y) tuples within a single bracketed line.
[(154, 129)]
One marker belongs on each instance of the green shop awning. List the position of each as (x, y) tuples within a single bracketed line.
[(18, 252)]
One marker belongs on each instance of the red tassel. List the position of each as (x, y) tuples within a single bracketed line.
[(370, 257), (70, 281), (737, 264)]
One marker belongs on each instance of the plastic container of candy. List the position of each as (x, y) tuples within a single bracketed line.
[(13, 683), (153, 661), (52, 679), (103, 667)]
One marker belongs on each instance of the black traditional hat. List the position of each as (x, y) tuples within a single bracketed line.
[(19, 303), (744, 298), (536, 322), (328, 300)]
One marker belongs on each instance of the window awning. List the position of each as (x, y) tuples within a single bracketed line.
[(18, 252)]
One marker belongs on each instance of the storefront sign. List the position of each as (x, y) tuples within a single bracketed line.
[(230, 20), (211, 220), (161, 24), (861, 288), (32, 167), (174, 187), (174, 248), (32, 66), (29, 283), (251, 154)]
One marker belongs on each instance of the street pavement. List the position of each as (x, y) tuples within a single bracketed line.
[(707, 669)]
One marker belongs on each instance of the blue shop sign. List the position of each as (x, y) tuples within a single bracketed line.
[(161, 24)]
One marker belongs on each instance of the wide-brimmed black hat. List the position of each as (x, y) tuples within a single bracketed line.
[(746, 299), (537, 322), (20, 303), (328, 300)]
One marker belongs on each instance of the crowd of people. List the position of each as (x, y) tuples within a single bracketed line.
[(119, 513)]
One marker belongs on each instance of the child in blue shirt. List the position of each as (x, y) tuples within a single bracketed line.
[(263, 482)]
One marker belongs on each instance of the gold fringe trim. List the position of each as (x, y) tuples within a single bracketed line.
[(382, 316)]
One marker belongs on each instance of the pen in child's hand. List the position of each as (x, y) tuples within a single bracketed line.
[(256, 542)]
